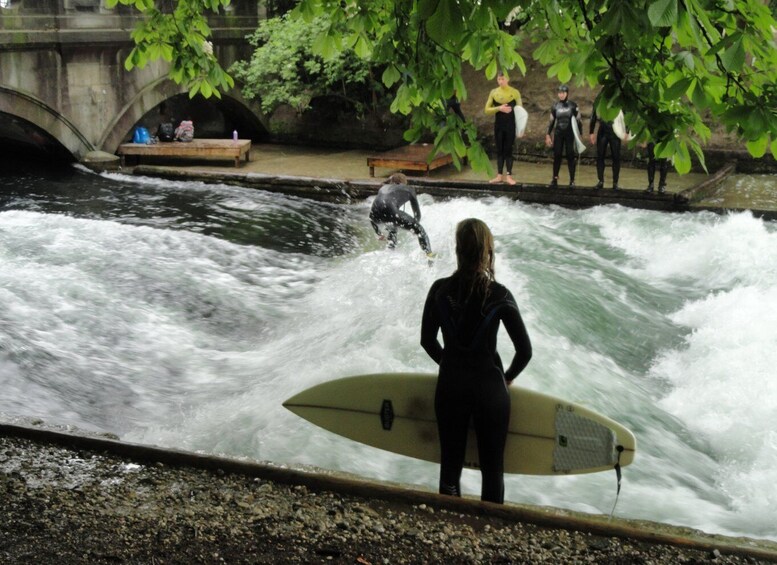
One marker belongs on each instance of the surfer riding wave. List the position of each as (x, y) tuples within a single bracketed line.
[(386, 210)]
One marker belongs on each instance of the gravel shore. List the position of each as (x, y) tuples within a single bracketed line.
[(67, 504)]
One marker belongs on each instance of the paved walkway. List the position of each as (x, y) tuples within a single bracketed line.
[(352, 165), (293, 166)]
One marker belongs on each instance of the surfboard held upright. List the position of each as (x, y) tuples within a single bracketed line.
[(395, 412)]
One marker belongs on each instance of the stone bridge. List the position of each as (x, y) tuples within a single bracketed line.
[(64, 88)]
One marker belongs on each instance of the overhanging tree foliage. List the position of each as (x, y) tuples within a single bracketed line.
[(177, 31), (673, 66), (284, 70)]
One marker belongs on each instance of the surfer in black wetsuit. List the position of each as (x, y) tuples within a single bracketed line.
[(386, 209), (453, 105), (472, 383), (604, 137), (560, 134), (663, 169)]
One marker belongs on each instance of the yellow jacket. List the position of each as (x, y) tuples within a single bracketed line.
[(502, 95)]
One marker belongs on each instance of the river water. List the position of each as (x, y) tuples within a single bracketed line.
[(182, 314)]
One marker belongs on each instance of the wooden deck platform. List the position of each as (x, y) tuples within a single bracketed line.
[(409, 158), (197, 149)]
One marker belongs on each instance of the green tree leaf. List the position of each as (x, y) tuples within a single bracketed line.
[(663, 13), (757, 147), (682, 158), (491, 70), (561, 69), (194, 89), (734, 57), (678, 89), (206, 89), (325, 45), (390, 75), (445, 25)]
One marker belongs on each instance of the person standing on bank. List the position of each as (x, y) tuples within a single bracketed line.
[(663, 169), (604, 137), (453, 105), (386, 209), (468, 307), (561, 136), (500, 104)]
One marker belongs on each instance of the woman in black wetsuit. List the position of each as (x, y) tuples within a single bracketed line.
[(560, 135), (472, 383), (601, 139)]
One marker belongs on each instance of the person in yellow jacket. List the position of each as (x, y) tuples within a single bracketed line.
[(500, 104)]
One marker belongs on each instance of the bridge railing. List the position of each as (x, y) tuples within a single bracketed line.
[(25, 23)]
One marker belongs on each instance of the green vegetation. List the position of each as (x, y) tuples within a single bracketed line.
[(673, 66), (180, 37), (284, 69)]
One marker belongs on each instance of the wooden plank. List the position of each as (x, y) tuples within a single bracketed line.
[(408, 157), (196, 149)]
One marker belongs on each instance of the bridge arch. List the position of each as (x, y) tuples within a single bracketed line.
[(37, 112), (140, 111)]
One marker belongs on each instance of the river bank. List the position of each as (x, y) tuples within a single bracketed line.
[(71, 498), (342, 175)]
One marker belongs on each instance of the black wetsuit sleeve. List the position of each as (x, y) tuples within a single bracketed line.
[(430, 326), (454, 105), (593, 121), (511, 318), (416, 208)]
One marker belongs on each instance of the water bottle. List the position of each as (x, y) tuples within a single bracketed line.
[(234, 136)]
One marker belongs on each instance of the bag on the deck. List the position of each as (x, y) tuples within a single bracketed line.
[(166, 131), (185, 131), (141, 136)]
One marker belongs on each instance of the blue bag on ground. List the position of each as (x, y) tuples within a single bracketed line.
[(141, 135)]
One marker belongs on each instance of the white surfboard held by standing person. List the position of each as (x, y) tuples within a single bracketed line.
[(579, 145), (619, 127), (521, 119), (395, 412)]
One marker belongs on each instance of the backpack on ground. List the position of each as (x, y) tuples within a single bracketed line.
[(141, 135), (166, 131)]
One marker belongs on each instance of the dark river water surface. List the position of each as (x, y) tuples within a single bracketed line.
[(183, 314)]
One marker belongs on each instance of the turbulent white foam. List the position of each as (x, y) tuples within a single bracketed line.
[(704, 250), (723, 388), (664, 322), (135, 322), (721, 373)]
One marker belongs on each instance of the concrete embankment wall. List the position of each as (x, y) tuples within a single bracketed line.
[(340, 190), (317, 480)]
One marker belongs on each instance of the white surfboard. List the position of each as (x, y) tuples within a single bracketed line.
[(521, 119), (395, 412), (579, 145), (619, 127)]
